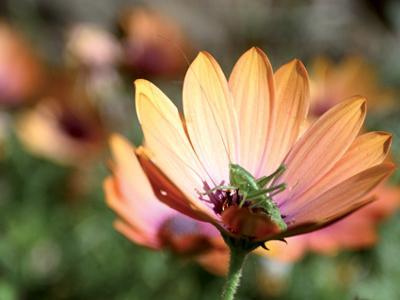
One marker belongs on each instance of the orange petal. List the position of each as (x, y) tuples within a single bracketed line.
[(210, 116), (166, 140), (252, 86), (368, 150), (142, 230), (128, 169), (323, 144), (292, 103), (135, 235), (342, 198)]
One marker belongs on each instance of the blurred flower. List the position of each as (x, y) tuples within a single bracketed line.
[(332, 82), (154, 44), (150, 223), (91, 46), (20, 71), (329, 169), (63, 127)]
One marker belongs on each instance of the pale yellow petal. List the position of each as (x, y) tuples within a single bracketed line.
[(292, 103), (368, 150), (166, 139), (342, 198), (318, 150), (252, 86), (210, 116)]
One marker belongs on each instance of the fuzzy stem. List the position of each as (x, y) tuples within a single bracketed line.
[(237, 259)]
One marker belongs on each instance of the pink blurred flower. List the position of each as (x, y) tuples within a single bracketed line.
[(153, 43), (63, 126), (332, 82), (91, 46), (20, 71), (150, 223)]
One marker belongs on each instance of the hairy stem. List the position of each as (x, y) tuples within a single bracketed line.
[(237, 259)]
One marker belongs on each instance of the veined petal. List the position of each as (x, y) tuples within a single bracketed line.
[(342, 198), (368, 150), (321, 146), (166, 140), (252, 86), (292, 103), (210, 116)]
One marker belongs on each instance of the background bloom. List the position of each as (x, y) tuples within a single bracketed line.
[(64, 126), (153, 43), (20, 70), (332, 82), (148, 222)]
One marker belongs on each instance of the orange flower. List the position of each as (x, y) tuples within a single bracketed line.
[(152, 43), (20, 71), (255, 120), (63, 126), (148, 222), (331, 83)]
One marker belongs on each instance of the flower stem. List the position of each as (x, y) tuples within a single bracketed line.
[(237, 259)]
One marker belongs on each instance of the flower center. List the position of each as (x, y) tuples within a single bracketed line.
[(246, 192)]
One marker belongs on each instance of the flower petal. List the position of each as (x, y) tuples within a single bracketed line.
[(165, 138), (135, 235), (342, 198), (368, 150), (252, 86), (144, 230), (210, 116), (130, 195), (169, 193), (292, 103), (323, 144)]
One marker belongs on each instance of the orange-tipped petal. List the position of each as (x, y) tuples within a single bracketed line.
[(292, 103), (321, 147), (210, 117), (166, 140), (252, 86), (368, 150), (342, 198)]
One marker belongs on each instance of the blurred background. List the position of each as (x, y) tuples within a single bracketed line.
[(66, 74)]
